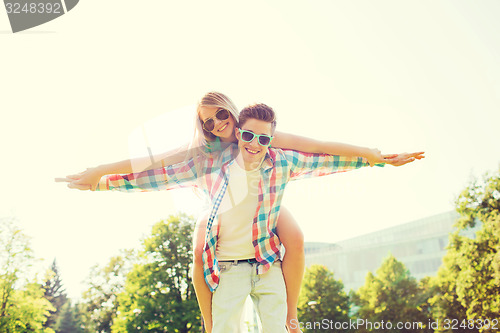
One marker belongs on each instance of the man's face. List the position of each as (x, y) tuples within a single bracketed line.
[(253, 152)]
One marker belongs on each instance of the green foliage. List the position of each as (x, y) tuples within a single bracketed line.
[(159, 296), (69, 320), (54, 293), (22, 305), (15, 255), (392, 295), (100, 302), (444, 303), (27, 311), (468, 283), (322, 297)]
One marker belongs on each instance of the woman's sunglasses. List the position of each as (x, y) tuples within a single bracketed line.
[(247, 136), (209, 123)]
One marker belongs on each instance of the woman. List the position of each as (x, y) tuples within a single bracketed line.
[(215, 124)]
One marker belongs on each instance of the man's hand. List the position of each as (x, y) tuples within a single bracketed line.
[(86, 180), (402, 159)]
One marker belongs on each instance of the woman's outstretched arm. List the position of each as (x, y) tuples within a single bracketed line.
[(91, 176), (308, 145)]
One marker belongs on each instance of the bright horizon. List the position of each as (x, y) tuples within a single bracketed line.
[(397, 76)]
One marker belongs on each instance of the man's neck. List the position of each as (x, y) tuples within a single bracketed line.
[(248, 166)]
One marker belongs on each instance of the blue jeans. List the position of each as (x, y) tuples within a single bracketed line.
[(268, 293)]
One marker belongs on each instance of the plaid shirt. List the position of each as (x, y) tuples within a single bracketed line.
[(211, 176)]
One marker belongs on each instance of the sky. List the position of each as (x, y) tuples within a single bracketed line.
[(83, 89)]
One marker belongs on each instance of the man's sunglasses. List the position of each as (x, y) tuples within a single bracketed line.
[(209, 123), (247, 136)]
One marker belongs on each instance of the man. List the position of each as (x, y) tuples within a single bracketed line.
[(251, 265), (245, 185)]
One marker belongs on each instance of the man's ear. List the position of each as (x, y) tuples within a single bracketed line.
[(237, 133)]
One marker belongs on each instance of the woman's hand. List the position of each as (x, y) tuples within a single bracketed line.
[(374, 156), (402, 159), (86, 180)]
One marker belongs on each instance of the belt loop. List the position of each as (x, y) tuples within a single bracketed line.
[(235, 262)]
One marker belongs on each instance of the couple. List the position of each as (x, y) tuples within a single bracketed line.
[(237, 247)]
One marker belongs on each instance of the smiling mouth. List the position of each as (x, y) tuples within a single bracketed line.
[(223, 127), (251, 151)]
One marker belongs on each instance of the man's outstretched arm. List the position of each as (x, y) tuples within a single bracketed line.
[(315, 165), (180, 175)]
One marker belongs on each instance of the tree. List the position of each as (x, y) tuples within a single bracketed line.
[(54, 293), (159, 295), (392, 296), (14, 256), (69, 320), (445, 306), (28, 311), (100, 302), (322, 297), (22, 305), (468, 283)]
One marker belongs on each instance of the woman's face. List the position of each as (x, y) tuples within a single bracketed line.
[(222, 128)]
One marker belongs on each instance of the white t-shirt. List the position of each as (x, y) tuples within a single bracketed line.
[(236, 214)]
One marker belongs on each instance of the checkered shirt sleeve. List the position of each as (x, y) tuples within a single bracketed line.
[(179, 175), (304, 165)]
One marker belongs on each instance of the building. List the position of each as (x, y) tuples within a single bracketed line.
[(420, 245)]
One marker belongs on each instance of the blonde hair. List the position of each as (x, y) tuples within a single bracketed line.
[(202, 138), (199, 148)]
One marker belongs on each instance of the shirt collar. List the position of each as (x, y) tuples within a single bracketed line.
[(269, 159)]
